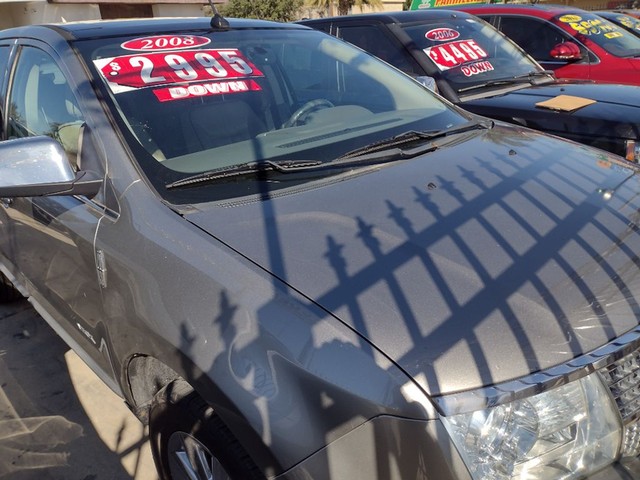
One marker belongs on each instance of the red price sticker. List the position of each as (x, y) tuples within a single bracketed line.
[(151, 69), (454, 54), (179, 92)]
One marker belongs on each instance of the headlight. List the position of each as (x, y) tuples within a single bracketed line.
[(623, 380), (564, 433)]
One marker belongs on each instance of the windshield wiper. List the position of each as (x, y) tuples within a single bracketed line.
[(492, 83), (244, 169), (390, 146), (537, 77), (528, 77), (383, 151)]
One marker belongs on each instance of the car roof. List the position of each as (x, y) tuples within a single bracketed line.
[(539, 10), (631, 12), (628, 13), (611, 13), (106, 28), (406, 16)]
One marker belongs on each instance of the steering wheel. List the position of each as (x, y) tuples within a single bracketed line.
[(305, 109)]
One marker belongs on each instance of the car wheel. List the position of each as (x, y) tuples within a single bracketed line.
[(189, 441), (8, 292)]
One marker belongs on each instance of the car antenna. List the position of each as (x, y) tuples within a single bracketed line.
[(218, 22)]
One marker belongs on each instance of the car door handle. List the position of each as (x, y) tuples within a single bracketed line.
[(6, 202)]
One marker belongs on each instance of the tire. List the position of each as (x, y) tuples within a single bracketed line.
[(190, 441), (8, 292)]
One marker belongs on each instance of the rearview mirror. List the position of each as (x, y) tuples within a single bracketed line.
[(566, 51), (36, 166)]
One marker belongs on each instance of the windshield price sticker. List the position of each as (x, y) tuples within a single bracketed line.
[(629, 22), (454, 54), (476, 68), (442, 34), (180, 92), (570, 18), (151, 69), (590, 26), (165, 42)]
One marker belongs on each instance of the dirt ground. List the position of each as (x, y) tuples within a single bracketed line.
[(58, 421)]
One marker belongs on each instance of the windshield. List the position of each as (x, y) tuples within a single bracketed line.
[(213, 100), (607, 35), (469, 52), (626, 21)]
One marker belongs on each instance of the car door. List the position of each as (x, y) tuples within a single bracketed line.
[(52, 238), (538, 37)]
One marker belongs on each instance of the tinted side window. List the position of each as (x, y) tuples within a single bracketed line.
[(534, 36), (373, 40), (41, 102)]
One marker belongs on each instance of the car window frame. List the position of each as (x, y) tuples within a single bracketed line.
[(5, 73)]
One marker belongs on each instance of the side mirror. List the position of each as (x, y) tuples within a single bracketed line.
[(428, 82), (566, 51), (37, 166)]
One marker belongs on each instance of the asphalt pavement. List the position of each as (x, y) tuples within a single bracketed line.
[(58, 421)]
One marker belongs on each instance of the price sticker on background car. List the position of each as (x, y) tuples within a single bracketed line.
[(454, 54), (594, 27), (570, 18), (165, 68), (442, 34)]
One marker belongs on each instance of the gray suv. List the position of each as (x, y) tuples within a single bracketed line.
[(293, 261)]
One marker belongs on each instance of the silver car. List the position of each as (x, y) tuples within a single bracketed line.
[(294, 262)]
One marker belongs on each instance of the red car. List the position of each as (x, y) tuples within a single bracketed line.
[(572, 42)]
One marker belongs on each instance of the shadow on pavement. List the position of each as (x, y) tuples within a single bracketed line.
[(58, 421)]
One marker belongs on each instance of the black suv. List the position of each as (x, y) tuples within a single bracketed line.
[(477, 67)]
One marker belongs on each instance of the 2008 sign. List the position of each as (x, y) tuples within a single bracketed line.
[(165, 42), (166, 68)]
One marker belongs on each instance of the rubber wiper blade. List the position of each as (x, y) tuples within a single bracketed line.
[(383, 151), (393, 144), (492, 83), (382, 156), (535, 77), (527, 77), (246, 169)]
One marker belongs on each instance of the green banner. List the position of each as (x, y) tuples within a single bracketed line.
[(420, 4)]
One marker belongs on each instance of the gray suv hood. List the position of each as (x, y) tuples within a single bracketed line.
[(481, 262)]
